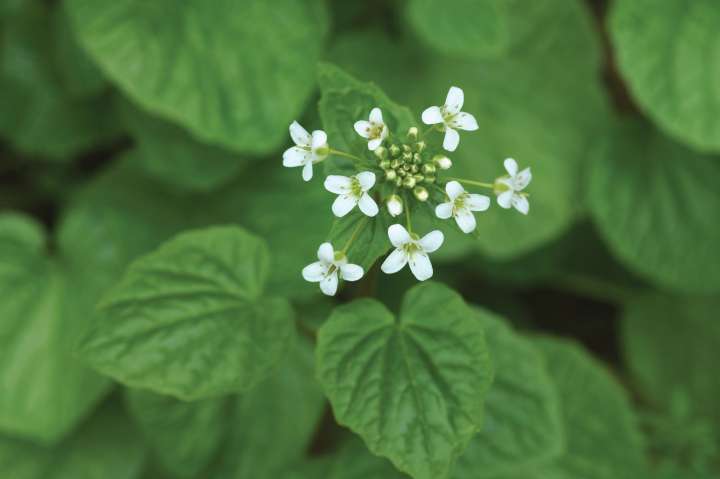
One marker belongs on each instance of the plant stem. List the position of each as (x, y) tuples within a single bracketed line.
[(407, 216), (471, 182), (359, 226), (346, 155), (428, 131)]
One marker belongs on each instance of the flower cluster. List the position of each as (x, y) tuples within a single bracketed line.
[(405, 173)]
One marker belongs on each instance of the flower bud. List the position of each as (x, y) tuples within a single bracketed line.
[(420, 146), (381, 152), (385, 164), (428, 168), (401, 172), (430, 179), (407, 157), (406, 149), (412, 133), (421, 193), (394, 150), (394, 205), (395, 163), (398, 182), (414, 168), (419, 178), (417, 159), (408, 182), (390, 175), (442, 161)]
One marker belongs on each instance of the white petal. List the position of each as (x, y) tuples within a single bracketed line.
[(362, 128), (338, 184), (395, 262), (367, 205), (420, 266), (511, 166), (432, 241), (432, 115), (398, 235), (329, 285), (295, 156), (452, 139), (444, 210), (307, 171), (521, 204), (465, 220), (343, 204), (315, 272), (505, 199), (319, 138), (366, 179), (375, 144), (384, 133), (299, 134), (376, 116), (351, 272), (523, 179), (326, 253), (477, 202), (454, 189), (454, 100), (464, 121)]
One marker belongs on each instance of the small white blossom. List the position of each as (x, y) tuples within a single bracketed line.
[(325, 271), (374, 130), (352, 191), (409, 248), (394, 206), (309, 149), (461, 206), (509, 194), (451, 118)]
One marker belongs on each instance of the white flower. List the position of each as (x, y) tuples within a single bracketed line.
[(352, 191), (409, 248), (326, 270), (451, 117), (394, 205), (309, 149), (509, 193), (461, 206), (374, 130)]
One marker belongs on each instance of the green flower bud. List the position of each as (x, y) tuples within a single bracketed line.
[(421, 193), (394, 150), (406, 149), (420, 146), (398, 182), (417, 158), (407, 157), (428, 168), (430, 179), (408, 182), (414, 168), (412, 133), (395, 163), (401, 172), (390, 175), (381, 152), (385, 164), (442, 161), (419, 178)]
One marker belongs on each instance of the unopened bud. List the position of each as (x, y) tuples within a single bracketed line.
[(419, 178), (394, 163), (406, 149), (417, 159), (421, 193), (412, 133), (390, 175), (442, 161), (430, 179), (414, 168), (408, 182), (398, 182), (401, 172), (381, 152), (385, 164), (428, 168), (394, 150), (420, 146), (407, 156), (394, 205)]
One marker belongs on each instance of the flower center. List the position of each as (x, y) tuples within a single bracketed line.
[(355, 187), (375, 130), (411, 247)]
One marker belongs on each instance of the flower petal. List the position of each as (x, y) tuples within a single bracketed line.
[(376, 116), (476, 202), (351, 272), (362, 127), (307, 172), (338, 184), (295, 156), (366, 179), (398, 235), (454, 189), (329, 285), (454, 100), (367, 205), (375, 144), (464, 121), (395, 262), (432, 115), (319, 138), (343, 204), (326, 253), (452, 139), (432, 241), (465, 220), (444, 210), (420, 266), (511, 166), (505, 199), (522, 179), (315, 272), (521, 204), (299, 134)]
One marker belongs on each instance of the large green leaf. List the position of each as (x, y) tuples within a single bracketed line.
[(671, 345), (656, 204), (522, 424), (663, 50), (412, 387), (183, 435), (189, 320), (200, 64), (467, 28), (105, 447)]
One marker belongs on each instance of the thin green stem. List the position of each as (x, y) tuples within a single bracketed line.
[(472, 182), (429, 130), (407, 216), (346, 155), (353, 237)]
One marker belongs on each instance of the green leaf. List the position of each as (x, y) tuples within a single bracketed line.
[(171, 155), (105, 447), (670, 344), (412, 387), (367, 237), (467, 28), (189, 319), (662, 51), (200, 65), (523, 425), (655, 202), (184, 435)]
